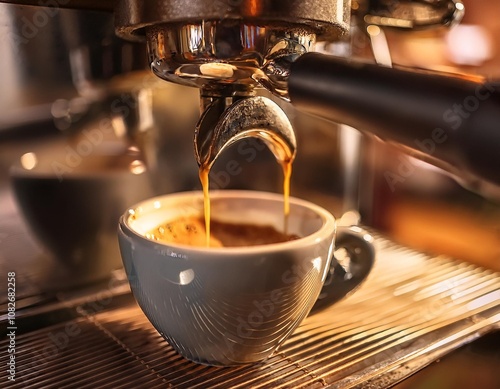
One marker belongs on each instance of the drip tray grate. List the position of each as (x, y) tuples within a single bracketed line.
[(411, 310)]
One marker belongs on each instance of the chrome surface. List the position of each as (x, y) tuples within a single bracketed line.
[(253, 42), (326, 18), (412, 310), (411, 14), (255, 116), (224, 53)]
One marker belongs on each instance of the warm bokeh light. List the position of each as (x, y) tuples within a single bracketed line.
[(29, 161), (469, 45), (137, 167)]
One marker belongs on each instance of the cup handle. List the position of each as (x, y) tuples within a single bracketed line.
[(346, 275)]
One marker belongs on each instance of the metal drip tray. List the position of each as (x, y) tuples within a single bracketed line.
[(412, 310)]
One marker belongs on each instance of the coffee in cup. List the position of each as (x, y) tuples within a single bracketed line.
[(227, 306), (191, 231)]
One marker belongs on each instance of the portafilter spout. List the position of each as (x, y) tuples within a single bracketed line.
[(255, 116)]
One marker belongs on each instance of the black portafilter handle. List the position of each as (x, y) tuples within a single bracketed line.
[(449, 121)]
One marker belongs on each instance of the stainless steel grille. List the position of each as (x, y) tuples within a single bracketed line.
[(410, 311)]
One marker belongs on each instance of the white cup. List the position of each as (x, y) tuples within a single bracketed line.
[(231, 305)]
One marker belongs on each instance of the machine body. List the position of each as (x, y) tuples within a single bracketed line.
[(227, 48)]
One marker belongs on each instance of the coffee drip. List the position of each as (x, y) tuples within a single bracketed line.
[(227, 120)]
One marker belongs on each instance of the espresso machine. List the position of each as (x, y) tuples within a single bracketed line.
[(231, 49), (224, 69)]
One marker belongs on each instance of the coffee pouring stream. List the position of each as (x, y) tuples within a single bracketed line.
[(221, 125)]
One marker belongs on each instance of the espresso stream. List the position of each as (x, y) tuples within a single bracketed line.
[(221, 126), (203, 231), (277, 135), (204, 178), (283, 153)]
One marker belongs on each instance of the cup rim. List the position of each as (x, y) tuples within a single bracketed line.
[(328, 223)]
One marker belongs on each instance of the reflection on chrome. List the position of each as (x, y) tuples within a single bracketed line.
[(244, 55)]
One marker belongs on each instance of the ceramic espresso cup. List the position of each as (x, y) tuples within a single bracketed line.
[(231, 305)]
